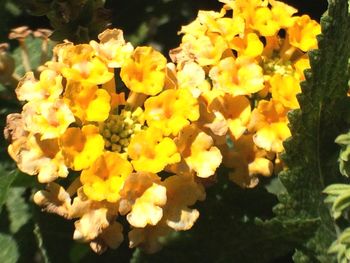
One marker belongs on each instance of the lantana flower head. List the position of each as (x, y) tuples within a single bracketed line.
[(76, 123), (140, 137)]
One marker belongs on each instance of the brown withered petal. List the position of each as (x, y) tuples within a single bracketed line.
[(14, 128), (20, 32), (42, 33), (54, 200), (4, 47)]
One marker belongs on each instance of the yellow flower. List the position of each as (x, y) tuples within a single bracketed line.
[(273, 44), (105, 177), (303, 33), (284, 89), (300, 66), (147, 208), (151, 152), (267, 20), (33, 155), (199, 153), (80, 63), (244, 8), (192, 78), (269, 121), (247, 162), (282, 13), (134, 187), (50, 119), (206, 49), (112, 47), (241, 76), (91, 224), (182, 193), (87, 102), (231, 113), (144, 72), (215, 22), (81, 147), (49, 87), (182, 55), (249, 46), (171, 111), (230, 27)]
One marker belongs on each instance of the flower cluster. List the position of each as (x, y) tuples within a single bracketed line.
[(244, 64), (141, 137)]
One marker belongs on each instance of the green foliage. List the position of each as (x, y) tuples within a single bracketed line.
[(339, 197), (79, 21), (310, 152), (344, 165), (9, 252), (341, 247), (33, 47), (6, 179)]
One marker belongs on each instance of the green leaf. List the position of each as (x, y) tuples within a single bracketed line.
[(336, 189), (33, 49), (18, 209), (311, 152), (6, 179), (8, 252)]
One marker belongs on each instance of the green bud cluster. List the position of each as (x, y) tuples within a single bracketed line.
[(118, 129), (276, 65)]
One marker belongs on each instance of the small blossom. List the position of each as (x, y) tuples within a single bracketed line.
[(240, 76), (192, 78), (105, 177), (144, 72), (303, 33), (50, 119), (269, 121), (87, 102), (147, 208), (134, 187), (81, 64), (249, 46), (247, 162), (171, 110), (197, 148), (112, 48), (284, 89), (151, 152), (49, 87), (230, 113), (81, 147), (182, 192), (38, 157)]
